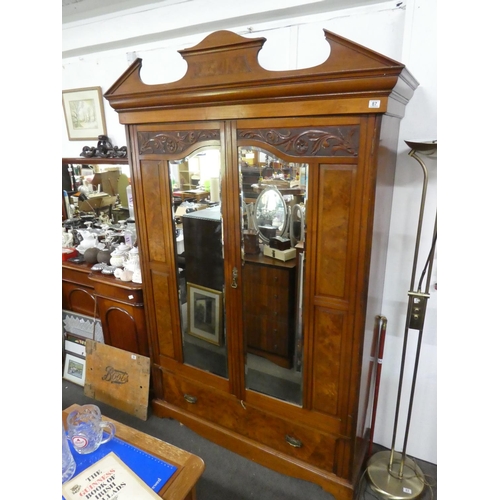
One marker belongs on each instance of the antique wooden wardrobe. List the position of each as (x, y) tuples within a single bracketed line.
[(269, 356)]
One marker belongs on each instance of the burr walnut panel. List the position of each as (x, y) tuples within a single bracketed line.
[(151, 194), (329, 333), (163, 318), (335, 206)]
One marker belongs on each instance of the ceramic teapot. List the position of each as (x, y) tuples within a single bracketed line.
[(118, 255)]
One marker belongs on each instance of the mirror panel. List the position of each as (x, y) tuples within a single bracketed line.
[(272, 189), (195, 188)]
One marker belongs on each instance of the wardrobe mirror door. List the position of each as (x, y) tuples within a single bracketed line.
[(195, 183), (272, 276)]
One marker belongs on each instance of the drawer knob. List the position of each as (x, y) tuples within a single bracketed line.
[(296, 443), (190, 399)]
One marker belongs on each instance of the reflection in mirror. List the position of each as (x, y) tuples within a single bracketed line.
[(297, 224), (271, 189), (195, 187), (271, 214)]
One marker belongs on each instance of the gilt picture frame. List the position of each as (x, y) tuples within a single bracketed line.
[(84, 113), (204, 313)]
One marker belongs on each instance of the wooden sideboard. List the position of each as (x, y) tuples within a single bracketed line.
[(117, 304)]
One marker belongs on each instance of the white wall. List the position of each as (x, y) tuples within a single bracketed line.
[(96, 52)]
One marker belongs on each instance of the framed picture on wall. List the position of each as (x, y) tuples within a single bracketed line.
[(84, 113), (74, 369), (204, 313)]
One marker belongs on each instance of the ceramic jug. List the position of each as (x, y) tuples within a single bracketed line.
[(89, 240), (132, 262)]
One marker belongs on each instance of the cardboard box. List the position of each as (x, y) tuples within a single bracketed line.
[(283, 255), (96, 202), (108, 181)]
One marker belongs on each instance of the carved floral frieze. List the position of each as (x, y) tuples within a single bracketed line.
[(173, 142), (327, 141)]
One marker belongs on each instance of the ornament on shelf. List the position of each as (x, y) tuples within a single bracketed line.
[(104, 149)]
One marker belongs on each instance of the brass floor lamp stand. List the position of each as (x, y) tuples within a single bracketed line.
[(394, 474)]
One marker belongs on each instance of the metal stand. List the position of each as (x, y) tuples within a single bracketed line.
[(393, 474)]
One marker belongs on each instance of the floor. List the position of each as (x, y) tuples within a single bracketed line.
[(229, 476)]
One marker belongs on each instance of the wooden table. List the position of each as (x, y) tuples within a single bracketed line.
[(182, 485), (197, 194)]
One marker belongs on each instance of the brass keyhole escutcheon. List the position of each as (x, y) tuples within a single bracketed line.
[(234, 283)]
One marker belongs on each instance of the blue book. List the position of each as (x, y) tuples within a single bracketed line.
[(152, 470)]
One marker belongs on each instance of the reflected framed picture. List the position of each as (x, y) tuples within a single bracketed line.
[(204, 313), (84, 113), (74, 369)]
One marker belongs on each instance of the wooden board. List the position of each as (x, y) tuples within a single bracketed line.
[(118, 378)]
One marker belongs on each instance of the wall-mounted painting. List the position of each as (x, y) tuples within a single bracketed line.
[(204, 313), (84, 113)]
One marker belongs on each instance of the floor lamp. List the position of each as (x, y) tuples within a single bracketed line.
[(391, 473)]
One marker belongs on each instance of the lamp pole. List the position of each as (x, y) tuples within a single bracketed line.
[(407, 482)]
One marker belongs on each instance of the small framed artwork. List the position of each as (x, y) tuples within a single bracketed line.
[(84, 113), (74, 369), (204, 313), (74, 344)]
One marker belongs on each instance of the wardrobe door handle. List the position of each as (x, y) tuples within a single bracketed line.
[(296, 443), (190, 399)]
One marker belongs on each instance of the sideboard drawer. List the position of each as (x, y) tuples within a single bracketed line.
[(128, 295), (80, 277)]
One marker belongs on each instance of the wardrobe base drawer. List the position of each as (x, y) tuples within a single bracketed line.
[(291, 438)]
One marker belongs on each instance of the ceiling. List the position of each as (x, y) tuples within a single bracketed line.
[(78, 10)]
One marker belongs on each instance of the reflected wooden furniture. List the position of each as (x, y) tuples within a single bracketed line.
[(192, 194), (118, 304), (182, 485), (268, 310), (341, 118), (203, 248)]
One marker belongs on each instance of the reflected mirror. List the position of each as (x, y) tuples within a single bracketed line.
[(273, 271), (271, 214), (195, 189)]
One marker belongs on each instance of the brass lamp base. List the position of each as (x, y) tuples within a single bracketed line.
[(387, 482)]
